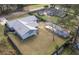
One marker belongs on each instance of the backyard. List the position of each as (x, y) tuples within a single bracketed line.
[(43, 43)]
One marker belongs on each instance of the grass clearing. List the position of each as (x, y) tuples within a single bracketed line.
[(5, 46), (68, 51), (53, 19)]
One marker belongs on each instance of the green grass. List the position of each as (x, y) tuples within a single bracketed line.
[(53, 19), (4, 38), (2, 33), (68, 51)]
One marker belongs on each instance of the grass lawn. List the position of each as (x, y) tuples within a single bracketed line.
[(68, 51), (53, 19), (2, 37), (5, 46)]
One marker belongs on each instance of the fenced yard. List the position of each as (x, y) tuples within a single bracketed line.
[(43, 43)]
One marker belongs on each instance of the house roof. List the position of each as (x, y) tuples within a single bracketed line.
[(30, 23), (25, 24), (22, 26), (30, 20), (11, 23)]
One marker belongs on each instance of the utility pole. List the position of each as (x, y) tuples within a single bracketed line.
[(53, 33), (53, 36)]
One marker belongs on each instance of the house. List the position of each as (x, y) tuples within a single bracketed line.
[(53, 12), (24, 27)]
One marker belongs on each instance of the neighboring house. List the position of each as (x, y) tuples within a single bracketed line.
[(58, 30), (24, 27), (53, 12)]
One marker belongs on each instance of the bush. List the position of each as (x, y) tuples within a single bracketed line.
[(56, 47)]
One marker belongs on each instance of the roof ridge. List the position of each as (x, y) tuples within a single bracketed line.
[(26, 25)]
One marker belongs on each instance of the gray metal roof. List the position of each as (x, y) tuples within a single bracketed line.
[(22, 26), (11, 23), (29, 20), (30, 23)]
